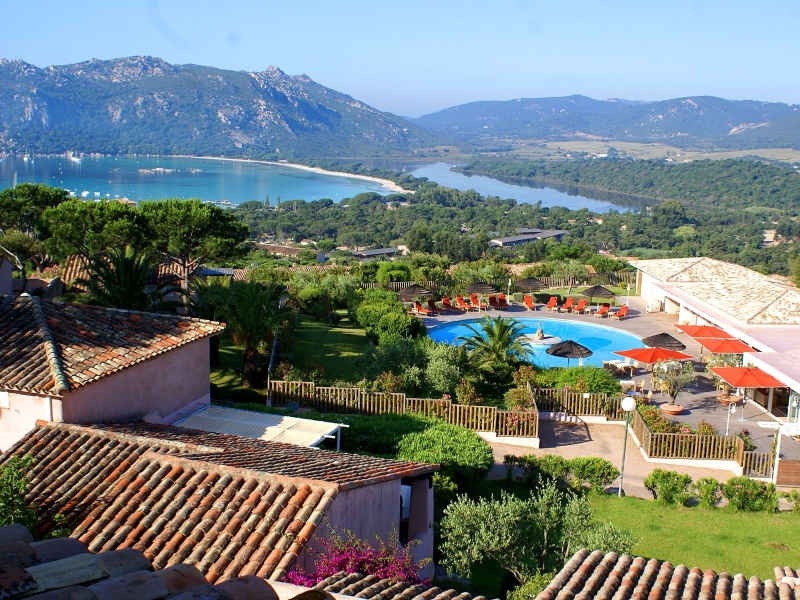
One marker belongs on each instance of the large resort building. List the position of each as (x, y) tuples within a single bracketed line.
[(761, 310)]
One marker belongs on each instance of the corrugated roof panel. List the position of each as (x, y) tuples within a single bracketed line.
[(262, 426)]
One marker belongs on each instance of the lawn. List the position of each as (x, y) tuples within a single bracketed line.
[(335, 348), (747, 543)]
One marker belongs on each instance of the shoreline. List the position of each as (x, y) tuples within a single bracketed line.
[(386, 183)]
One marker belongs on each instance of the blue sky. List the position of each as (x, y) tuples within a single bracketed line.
[(414, 57)]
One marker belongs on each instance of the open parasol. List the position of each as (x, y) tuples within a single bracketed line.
[(480, 287), (569, 349), (747, 377), (597, 291), (704, 331), (531, 284), (664, 340), (718, 346), (413, 291), (650, 356)]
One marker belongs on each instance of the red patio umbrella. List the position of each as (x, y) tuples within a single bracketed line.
[(650, 356), (718, 346), (704, 331), (746, 377)]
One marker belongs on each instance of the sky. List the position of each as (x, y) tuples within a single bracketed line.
[(416, 57)]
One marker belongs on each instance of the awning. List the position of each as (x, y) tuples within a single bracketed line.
[(260, 426), (718, 346), (746, 377)]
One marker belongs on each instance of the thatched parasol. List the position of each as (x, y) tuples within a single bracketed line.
[(480, 287), (569, 349), (663, 340), (531, 284), (413, 291)]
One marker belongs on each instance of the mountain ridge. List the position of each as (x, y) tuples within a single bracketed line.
[(143, 104), (691, 121)]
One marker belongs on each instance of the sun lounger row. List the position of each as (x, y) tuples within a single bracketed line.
[(581, 307), (499, 302)]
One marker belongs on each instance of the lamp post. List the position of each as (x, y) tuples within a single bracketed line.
[(731, 410), (628, 295), (628, 404)]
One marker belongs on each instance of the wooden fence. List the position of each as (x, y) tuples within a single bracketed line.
[(758, 464), (351, 400), (578, 403)]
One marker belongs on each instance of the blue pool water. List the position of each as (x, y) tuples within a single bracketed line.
[(601, 339)]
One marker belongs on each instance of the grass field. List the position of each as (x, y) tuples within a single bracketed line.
[(747, 543), (335, 348)]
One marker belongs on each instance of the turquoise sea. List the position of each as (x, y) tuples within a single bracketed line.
[(150, 177)]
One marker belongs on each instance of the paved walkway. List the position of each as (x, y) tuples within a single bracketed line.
[(571, 440)]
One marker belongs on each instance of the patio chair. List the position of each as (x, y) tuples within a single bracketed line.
[(552, 304), (579, 307), (448, 306), (423, 311), (502, 302), (568, 304), (529, 302), (473, 300), (620, 314), (603, 311), (493, 302), (463, 304)]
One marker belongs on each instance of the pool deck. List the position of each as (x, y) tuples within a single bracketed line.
[(699, 398)]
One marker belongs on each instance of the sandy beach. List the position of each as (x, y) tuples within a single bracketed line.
[(386, 183)]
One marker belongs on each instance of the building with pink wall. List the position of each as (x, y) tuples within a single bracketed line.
[(86, 364)]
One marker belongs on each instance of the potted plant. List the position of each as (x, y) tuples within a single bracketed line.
[(674, 376), (723, 360)]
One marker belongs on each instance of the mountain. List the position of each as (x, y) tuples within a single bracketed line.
[(701, 121), (148, 106)]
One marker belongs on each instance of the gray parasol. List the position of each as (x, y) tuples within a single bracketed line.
[(569, 349), (413, 291), (663, 340), (480, 287), (531, 284)]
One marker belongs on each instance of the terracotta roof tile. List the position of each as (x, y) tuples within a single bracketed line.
[(597, 576), (53, 347), (371, 587)]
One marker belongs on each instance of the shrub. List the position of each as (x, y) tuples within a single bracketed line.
[(532, 587), (462, 454), (517, 398), (525, 374), (388, 383), (554, 467), (378, 435), (597, 472), (13, 487), (466, 393), (704, 428), (413, 380), (670, 487), (793, 497), (707, 491), (443, 371), (587, 379), (345, 552), (749, 495), (654, 419), (749, 444)]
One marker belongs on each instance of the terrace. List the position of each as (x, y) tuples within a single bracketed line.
[(698, 398)]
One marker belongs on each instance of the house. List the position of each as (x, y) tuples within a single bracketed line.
[(229, 505), (88, 364), (524, 238), (598, 576), (377, 253)]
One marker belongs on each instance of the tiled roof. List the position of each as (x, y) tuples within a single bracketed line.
[(371, 587), (287, 460), (73, 268), (745, 295), (53, 347), (64, 569), (598, 576), (164, 499)]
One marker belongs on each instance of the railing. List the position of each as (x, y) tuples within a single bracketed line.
[(577, 403), (352, 400), (758, 464), (691, 446)]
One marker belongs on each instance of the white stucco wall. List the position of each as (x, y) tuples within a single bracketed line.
[(22, 413)]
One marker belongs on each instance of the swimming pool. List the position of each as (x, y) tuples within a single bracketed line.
[(600, 339)]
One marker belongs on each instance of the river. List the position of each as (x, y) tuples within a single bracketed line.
[(236, 181)]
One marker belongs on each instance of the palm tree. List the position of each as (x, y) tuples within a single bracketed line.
[(496, 346), (120, 280), (253, 312), (203, 301)]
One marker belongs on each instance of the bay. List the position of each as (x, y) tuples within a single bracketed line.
[(151, 177)]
